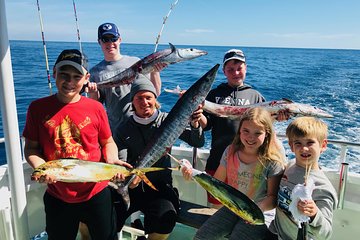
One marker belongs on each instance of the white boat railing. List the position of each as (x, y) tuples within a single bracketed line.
[(344, 147)]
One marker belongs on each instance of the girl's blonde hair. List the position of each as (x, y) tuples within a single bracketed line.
[(269, 150)]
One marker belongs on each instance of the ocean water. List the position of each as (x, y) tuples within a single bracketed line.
[(329, 79)]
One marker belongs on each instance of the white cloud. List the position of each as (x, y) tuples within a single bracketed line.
[(199, 30)]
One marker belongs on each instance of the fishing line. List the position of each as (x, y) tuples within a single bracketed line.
[(44, 44), (163, 24), (77, 26)]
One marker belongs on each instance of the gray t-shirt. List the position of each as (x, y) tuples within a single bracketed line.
[(252, 178), (117, 99), (324, 195)]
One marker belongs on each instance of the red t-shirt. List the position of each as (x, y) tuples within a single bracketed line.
[(69, 131)]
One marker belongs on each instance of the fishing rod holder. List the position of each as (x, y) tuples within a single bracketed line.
[(342, 184), (194, 157)]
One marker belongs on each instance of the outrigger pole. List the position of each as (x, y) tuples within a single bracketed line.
[(77, 27), (44, 44), (163, 24), (18, 217)]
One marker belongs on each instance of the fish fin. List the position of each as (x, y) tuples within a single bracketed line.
[(147, 181), (173, 48), (123, 190), (175, 168), (287, 100), (70, 166)]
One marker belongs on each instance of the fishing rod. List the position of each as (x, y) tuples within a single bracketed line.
[(77, 26), (163, 24), (44, 44)]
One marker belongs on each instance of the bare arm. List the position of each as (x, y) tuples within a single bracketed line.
[(272, 189), (32, 153), (111, 152), (220, 173), (155, 77), (34, 157), (111, 156)]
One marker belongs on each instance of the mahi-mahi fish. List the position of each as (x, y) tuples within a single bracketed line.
[(146, 65), (173, 125), (236, 201), (76, 170), (274, 107)]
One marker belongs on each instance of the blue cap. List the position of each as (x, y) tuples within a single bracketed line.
[(108, 28)]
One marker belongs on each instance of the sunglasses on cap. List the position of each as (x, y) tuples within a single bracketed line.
[(238, 54), (113, 39)]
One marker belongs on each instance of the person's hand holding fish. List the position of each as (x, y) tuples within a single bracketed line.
[(186, 169), (308, 208), (281, 115), (197, 117), (135, 182), (46, 178), (120, 176), (158, 67)]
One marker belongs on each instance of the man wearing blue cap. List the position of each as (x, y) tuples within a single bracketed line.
[(116, 99)]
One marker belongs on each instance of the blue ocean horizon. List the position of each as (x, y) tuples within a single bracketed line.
[(326, 78)]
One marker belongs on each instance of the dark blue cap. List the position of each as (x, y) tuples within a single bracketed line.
[(108, 28)]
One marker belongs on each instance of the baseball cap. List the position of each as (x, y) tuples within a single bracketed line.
[(73, 57), (234, 54), (141, 83), (108, 28)]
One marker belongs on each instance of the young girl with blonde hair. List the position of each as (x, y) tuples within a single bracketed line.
[(253, 164)]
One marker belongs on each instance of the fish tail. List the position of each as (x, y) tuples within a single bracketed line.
[(147, 181), (123, 190)]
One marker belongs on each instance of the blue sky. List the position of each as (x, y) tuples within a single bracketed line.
[(260, 23)]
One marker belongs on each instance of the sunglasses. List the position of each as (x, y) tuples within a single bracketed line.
[(232, 54), (113, 39)]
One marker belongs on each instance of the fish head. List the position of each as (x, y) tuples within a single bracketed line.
[(38, 173), (190, 53)]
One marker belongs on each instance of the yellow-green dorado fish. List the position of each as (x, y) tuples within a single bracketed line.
[(75, 170), (230, 197)]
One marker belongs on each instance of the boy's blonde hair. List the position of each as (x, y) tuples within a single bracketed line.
[(307, 126), (269, 150)]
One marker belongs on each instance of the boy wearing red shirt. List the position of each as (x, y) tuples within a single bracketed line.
[(68, 125)]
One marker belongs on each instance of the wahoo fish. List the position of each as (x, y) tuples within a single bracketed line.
[(293, 108), (174, 124), (230, 197), (75, 170), (146, 65)]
